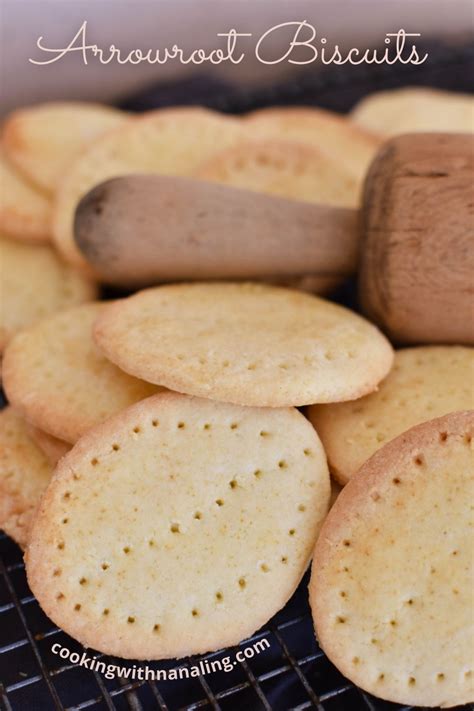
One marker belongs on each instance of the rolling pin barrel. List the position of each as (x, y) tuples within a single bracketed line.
[(142, 229), (413, 239)]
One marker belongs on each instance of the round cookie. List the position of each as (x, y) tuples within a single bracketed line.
[(414, 109), (425, 382), (392, 579), (169, 141), (35, 284), (24, 474), (25, 214), (42, 140), (244, 343), (179, 526), (351, 145), (290, 170), (58, 379)]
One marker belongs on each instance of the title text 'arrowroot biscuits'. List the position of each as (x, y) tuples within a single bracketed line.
[(59, 380), (24, 474), (290, 170), (168, 141), (179, 526), (41, 140), (424, 383), (415, 109), (244, 343), (25, 213), (392, 579), (352, 145), (35, 284)]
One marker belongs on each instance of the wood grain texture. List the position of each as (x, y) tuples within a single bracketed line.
[(417, 256)]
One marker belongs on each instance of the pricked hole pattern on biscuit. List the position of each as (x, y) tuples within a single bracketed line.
[(156, 628), (181, 425), (207, 426), (126, 550), (151, 543), (346, 543), (174, 528), (130, 620), (440, 676), (284, 559), (301, 508), (411, 681), (219, 596), (282, 464), (136, 429), (291, 532), (242, 583), (355, 660), (220, 502), (198, 515), (105, 611), (83, 581), (340, 620), (396, 480), (194, 612), (155, 423), (381, 677), (264, 434), (65, 520), (257, 473), (77, 607), (234, 425), (105, 566), (94, 461), (116, 447), (57, 572), (60, 546), (307, 452), (443, 436), (66, 495), (264, 568), (419, 460), (393, 623), (233, 484), (60, 596)]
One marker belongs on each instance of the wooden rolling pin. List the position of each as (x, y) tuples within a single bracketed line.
[(412, 240)]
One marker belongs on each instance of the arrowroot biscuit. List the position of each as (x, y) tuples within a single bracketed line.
[(415, 109), (179, 526), (424, 383), (392, 579), (169, 141), (56, 377), (247, 343), (24, 474), (25, 214), (52, 447), (42, 140), (284, 168), (351, 145), (35, 284)]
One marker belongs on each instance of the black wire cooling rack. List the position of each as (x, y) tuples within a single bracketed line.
[(292, 673)]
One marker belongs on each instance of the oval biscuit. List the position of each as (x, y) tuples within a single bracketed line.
[(244, 343), (392, 573), (59, 380), (425, 382), (179, 526)]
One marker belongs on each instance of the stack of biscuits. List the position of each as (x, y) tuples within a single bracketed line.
[(166, 458)]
